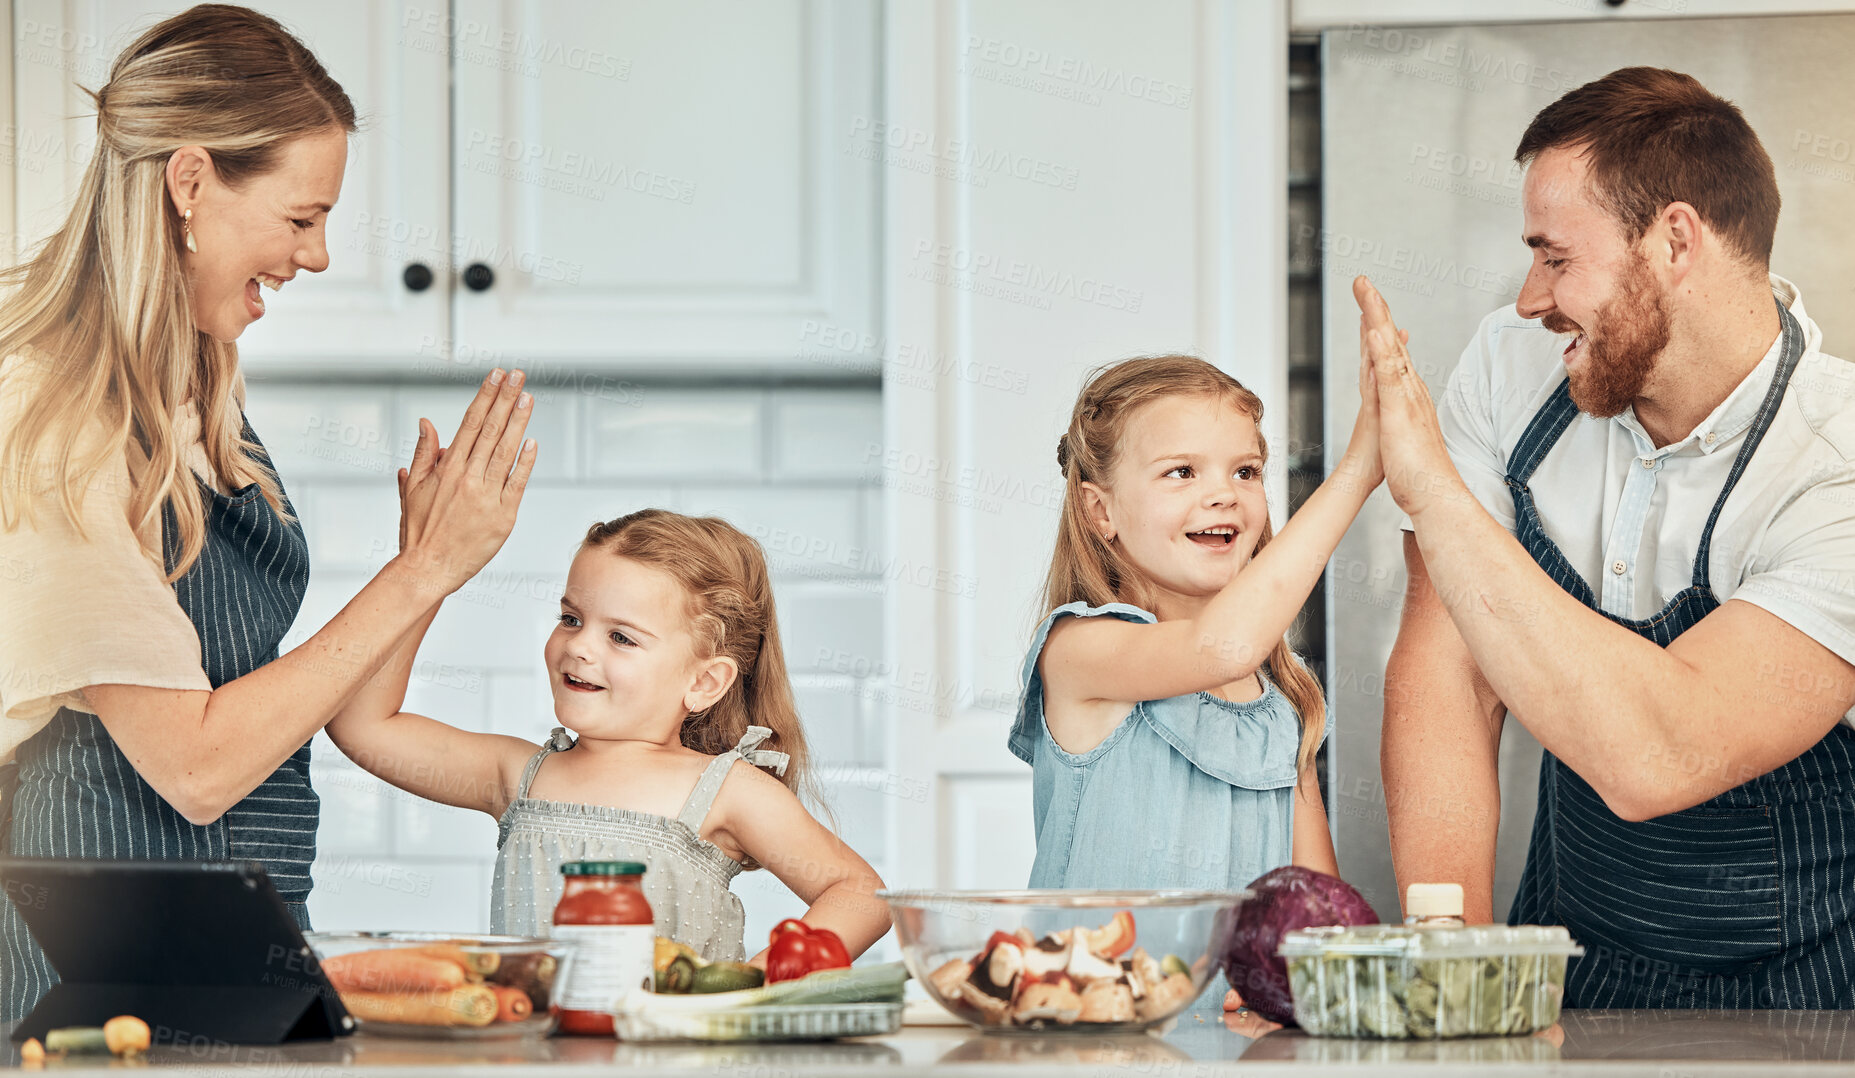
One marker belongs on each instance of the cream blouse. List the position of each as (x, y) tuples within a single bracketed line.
[(93, 610)]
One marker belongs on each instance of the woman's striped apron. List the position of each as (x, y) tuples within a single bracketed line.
[(74, 793), (1743, 901)]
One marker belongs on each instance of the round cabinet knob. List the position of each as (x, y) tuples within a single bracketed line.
[(478, 277), (418, 277)]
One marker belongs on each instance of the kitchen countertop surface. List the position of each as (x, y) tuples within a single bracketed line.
[(1666, 1044)]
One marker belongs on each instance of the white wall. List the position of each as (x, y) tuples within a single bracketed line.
[(1166, 126)]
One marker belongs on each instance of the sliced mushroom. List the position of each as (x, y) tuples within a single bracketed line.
[(1132, 975), (1085, 967), (1050, 955), (1003, 966), (1167, 996), (1107, 1001), (948, 978), (1047, 1001)]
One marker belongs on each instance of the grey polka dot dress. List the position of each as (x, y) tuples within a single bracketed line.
[(687, 877)]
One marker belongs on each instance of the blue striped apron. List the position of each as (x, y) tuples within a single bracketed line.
[(1742, 901), (74, 794)]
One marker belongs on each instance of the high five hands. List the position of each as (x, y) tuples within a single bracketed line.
[(1410, 441)]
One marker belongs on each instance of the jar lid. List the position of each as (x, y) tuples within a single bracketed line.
[(1433, 900), (602, 868)]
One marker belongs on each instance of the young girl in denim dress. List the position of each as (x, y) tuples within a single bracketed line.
[(1170, 730)]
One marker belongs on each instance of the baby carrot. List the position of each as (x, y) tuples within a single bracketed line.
[(478, 964), (392, 970), (512, 1004), (469, 1005)]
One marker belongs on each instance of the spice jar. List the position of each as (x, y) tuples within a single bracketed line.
[(604, 911)]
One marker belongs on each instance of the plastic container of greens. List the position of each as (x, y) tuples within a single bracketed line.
[(1403, 982)]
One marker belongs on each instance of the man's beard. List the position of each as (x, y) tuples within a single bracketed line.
[(1630, 332)]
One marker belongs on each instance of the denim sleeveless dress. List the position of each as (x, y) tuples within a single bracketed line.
[(1191, 792), (1741, 901), (686, 876), (1188, 792), (74, 793)]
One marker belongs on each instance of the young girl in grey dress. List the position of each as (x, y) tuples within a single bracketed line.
[(666, 663), (1159, 686)]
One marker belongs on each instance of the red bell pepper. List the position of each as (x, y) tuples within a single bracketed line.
[(796, 949)]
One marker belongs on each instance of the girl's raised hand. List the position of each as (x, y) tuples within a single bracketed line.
[(458, 502), (1364, 450)]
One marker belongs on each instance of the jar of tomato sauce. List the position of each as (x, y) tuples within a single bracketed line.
[(604, 911)]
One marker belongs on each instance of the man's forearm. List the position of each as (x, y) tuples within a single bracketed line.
[(1438, 754), (1593, 693)]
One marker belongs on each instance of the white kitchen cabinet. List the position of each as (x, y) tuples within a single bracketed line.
[(664, 179), (394, 208), (636, 185)]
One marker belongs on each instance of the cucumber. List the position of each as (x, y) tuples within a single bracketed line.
[(726, 977), (859, 984)]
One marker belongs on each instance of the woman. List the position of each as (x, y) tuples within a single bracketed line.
[(153, 559)]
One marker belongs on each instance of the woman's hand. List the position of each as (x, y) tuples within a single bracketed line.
[(1416, 461), (458, 502)]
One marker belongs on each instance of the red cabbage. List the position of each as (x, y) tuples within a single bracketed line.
[(1287, 898)]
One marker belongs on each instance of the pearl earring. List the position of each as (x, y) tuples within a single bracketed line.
[(186, 228)]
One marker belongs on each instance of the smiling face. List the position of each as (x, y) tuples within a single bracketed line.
[(1185, 505), (621, 660), (1592, 285), (264, 230)]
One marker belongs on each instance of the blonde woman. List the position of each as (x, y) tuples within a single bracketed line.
[(152, 560)]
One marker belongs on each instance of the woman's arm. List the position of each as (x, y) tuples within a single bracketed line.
[(765, 819), (1313, 844), (203, 752)]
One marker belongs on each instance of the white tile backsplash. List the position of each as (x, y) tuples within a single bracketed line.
[(520, 704), (821, 623), (324, 433), (553, 520), (353, 526), (427, 829), (826, 433), (806, 532), (832, 714), (782, 464), (679, 435), (399, 894)]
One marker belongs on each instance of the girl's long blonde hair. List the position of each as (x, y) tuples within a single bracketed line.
[(730, 605), (102, 308), (1085, 568)]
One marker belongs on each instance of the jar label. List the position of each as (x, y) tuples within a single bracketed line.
[(609, 961)]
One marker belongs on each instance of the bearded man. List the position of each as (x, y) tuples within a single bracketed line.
[(1632, 527)]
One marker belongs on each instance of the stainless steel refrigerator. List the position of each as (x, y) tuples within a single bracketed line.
[(1419, 191)]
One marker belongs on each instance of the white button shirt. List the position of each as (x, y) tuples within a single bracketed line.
[(1629, 516)]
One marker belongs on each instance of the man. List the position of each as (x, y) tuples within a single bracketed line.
[(1633, 529)]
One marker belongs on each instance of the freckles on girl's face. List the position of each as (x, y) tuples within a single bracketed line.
[(618, 658), (1187, 505)]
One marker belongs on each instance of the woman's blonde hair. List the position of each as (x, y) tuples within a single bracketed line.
[(724, 579), (103, 305), (1088, 569)]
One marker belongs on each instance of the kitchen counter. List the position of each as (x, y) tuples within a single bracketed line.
[(1666, 1044)]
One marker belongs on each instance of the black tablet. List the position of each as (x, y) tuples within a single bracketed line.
[(197, 949)]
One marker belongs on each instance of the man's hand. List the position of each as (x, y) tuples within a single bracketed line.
[(1417, 465)]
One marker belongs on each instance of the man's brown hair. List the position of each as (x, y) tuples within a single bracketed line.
[(1652, 136)]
